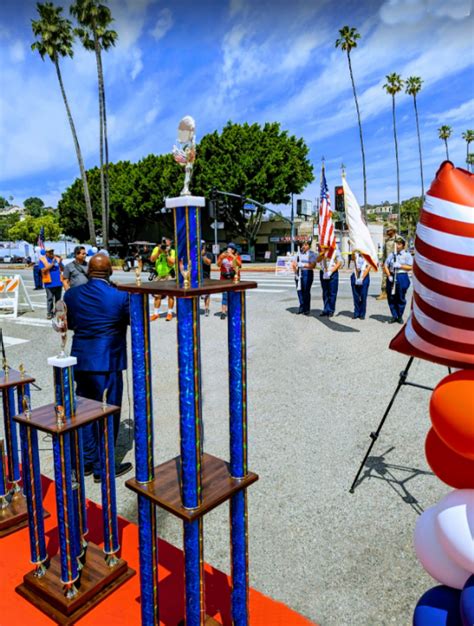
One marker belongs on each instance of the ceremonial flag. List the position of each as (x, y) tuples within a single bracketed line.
[(359, 234), (41, 237), (441, 325), (327, 240)]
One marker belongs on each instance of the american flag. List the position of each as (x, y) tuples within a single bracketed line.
[(327, 240), (41, 237)]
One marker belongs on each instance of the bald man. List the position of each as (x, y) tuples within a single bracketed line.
[(99, 314)]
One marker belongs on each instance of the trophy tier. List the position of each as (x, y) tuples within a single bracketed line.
[(170, 288), (14, 378), (44, 418), (217, 486)]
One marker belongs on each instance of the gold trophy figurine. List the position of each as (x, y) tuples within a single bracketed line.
[(186, 274), (21, 369), (26, 407), (104, 400), (138, 271), (60, 416), (185, 153), (236, 267), (59, 322)]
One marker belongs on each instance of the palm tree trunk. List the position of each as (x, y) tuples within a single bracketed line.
[(419, 150), (396, 159), (467, 156), (105, 242), (360, 135), (447, 151), (90, 217)]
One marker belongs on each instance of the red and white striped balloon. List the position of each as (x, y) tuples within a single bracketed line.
[(441, 325)]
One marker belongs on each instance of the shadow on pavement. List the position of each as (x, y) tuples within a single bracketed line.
[(348, 314), (326, 321), (380, 318), (395, 476)]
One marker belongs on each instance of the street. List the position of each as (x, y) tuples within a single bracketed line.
[(317, 387)]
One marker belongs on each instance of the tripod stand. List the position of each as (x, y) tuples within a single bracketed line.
[(374, 435)]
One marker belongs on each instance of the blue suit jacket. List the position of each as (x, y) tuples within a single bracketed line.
[(98, 314)]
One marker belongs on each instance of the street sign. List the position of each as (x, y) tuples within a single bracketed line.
[(218, 225), (248, 206), (304, 207), (216, 248)]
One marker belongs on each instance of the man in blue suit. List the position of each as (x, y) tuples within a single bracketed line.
[(99, 315)]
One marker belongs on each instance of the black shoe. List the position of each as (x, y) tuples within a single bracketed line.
[(222, 316), (356, 317), (322, 314), (88, 470), (330, 314), (400, 320), (97, 478), (123, 468), (362, 317), (49, 317), (393, 320), (306, 313), (299, 312)]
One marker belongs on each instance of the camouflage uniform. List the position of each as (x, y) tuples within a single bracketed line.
[(388, 247)]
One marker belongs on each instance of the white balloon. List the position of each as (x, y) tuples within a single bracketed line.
[(455, 527), (431, 554)]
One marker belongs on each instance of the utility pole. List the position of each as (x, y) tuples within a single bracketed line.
[(214, 202)]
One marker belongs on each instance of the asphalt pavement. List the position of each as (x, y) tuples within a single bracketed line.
[(317, 388)]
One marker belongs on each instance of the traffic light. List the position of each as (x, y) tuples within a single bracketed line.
[(339, 196)]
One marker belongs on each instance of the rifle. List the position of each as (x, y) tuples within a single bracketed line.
[(395, 272)]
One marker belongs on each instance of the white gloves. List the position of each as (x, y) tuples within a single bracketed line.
[(359, 281), (326, 275), (397, 265), (390, 278)]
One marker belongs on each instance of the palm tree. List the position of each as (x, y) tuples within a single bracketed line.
[(347, 41), (444, 133), (468, 136), (55, 39), (413, 87), (94, 18), (393, 86)]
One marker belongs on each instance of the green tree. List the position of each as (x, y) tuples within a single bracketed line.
[(55, 39), (468, 137), (470, 160), (410, 215), (347, 41), (413, 87), (6, 222), (4, 203), (444, 133), (262, 163), (94, 19), (393, 86), (34, 206), (29, 228)]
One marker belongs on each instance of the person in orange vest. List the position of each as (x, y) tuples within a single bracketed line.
[(51, 267)]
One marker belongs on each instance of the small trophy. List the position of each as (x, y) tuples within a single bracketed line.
[(60, 416), (26, 407), (138, 271), (104, 400), (60, 325), (186, 274), (236, 268), (21, 369), (186, 154)]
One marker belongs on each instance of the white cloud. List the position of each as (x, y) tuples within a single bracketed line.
[(136, 57), (163, 24), (413, 11), (17, 51), (461, 113)]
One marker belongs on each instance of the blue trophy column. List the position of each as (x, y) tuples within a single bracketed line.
[(144, 463), (32, 486), (3, 477), (189, 357), (109, 499), (11, 438), (68, 488), (238, 455)]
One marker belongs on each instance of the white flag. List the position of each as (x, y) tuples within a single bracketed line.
[(359, 234)]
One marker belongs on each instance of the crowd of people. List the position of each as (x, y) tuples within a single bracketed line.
[(396, 266)]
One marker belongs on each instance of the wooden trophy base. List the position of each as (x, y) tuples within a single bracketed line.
[(97, 581), (15, 516), (208, 621)]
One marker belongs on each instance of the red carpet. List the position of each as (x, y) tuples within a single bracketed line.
[(122, 608)]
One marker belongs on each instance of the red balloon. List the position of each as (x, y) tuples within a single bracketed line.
[(452, 468), (452, 412)]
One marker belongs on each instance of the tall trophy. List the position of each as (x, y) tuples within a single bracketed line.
[(82, 573), (185, 155)]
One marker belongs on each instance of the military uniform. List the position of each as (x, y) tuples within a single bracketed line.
[(329, 277), (304, 279), (389, 246), (398, 283), (360, 286)]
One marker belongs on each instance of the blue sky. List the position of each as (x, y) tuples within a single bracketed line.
[(245, 61)]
